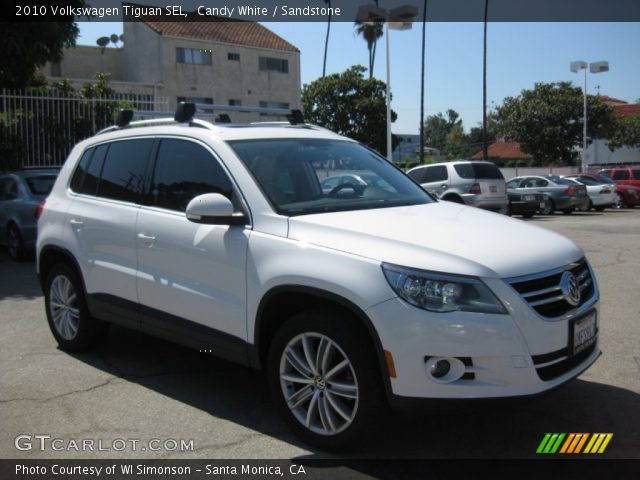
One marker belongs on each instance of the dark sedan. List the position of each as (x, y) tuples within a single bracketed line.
[(526, 204), (20, 194)]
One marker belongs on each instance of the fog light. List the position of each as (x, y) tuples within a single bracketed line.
[(440, 368)]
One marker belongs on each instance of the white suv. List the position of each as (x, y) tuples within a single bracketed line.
[(221, 238)]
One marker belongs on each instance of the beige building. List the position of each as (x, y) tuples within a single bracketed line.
[(214, 62)]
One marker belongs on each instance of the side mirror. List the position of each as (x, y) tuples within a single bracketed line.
[(213, 209)]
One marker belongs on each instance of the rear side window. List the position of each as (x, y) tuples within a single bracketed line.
[(92, 175), (78, 175), (124, 169), (436, 173), (484, 171), (40, 185), (183, 171), (636, 174), (621, 174)]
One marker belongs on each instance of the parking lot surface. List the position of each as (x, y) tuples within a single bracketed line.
[(155, 397)]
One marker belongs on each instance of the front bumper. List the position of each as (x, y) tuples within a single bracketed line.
[(506, 354)]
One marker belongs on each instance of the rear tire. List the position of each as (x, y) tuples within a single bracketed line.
[(549, 208), (324, 378), (567, 211), (619, 202), (527, 215), (600, 209), (69, 320), (15, 244)]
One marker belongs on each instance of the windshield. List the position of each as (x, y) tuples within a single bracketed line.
[(40, 185), (303, 176)]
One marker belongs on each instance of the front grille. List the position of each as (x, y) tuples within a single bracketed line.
[(544, 294), (552, 365)]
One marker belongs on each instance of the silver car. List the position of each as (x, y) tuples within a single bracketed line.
[(20, 195), (478, 183)]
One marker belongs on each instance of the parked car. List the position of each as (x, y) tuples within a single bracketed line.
[(626, 195), (20, 194), (560, 197), (623, 175), (478, 184), (526, 204), (220, 238), (601, 195)]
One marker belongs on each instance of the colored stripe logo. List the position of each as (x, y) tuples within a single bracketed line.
[(573, 443)]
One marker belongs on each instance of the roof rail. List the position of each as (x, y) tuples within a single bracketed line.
[(186, 111)]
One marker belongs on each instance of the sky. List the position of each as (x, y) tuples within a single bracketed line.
[(519, 55)]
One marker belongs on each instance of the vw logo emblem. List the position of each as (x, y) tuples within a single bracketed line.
[(320, 383), (570, 288)]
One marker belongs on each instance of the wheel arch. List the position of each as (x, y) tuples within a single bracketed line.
[(281, 302), (51, 255)]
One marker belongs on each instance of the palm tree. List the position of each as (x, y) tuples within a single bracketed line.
[(326, 40), (371, 32)]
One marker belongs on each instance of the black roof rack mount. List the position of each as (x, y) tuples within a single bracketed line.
[(185, 112), (124, 118)]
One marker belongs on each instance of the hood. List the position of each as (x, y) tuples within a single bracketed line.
[(443, 236)]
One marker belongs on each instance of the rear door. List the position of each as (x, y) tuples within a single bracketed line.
[(435, 179), (102, 219)]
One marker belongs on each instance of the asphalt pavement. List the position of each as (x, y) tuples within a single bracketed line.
[(158, 400)]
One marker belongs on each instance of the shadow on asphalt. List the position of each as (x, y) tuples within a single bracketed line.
[(18, 279), (510, 428)]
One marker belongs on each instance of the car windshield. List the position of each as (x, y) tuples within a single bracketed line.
[(304, 176), (40, 185)]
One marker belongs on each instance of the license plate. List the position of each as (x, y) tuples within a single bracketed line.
[(493, 188), (583, 332)]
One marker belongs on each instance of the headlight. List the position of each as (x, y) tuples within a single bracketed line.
[(439, 292)]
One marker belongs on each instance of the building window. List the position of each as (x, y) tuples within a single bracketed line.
[(283, 105), (235, 102), (269, 64), (233, 56), (200, 100), (194, 56)]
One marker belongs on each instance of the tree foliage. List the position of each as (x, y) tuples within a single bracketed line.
[(547, 121), (27, 46), (626, 132), (350, 105), (437, 127)]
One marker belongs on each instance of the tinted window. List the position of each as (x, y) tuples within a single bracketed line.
[(588, 181), (123, 170), (40, 185), (636, 174), (437, 173), (465, 170), (513, 184), (92, 175), (183, 171), (417, 174), (621, 175), (486, 171), (78, 175), (540, 182)]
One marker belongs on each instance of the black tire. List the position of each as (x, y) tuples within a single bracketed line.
[(549, 209), (15, 244), (361, 373), (88, 331), (527, 214), (600, 209), (568, 211), (587, 208)]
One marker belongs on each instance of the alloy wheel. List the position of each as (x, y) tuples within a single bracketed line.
[(63, 307), (319, 384)]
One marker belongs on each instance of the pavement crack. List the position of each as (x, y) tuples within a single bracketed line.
[(62, 395)]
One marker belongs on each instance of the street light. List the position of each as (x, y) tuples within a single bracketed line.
[(399, 18), (594, 67)]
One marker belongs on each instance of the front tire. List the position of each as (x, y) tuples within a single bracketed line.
[(69, 320), (548, 208), (323, 378), (619, 201)]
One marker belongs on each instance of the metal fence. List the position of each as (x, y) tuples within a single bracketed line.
[(40, 129)]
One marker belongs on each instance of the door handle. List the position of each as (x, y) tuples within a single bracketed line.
[(148, 240), (76, 223)]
